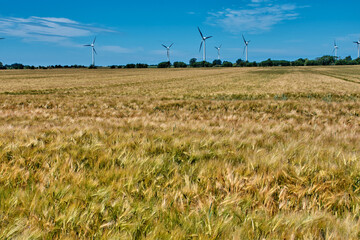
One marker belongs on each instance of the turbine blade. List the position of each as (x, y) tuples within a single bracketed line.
[(200, 46), (171, 45), (87, 45), (94, 40), (208, 37), (95, 51), (244, 50), (202, 36), (2, 38), (164, 46), (220, 46), (244, 39)]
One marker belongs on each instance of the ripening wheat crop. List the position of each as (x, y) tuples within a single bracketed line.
[(230, 153)]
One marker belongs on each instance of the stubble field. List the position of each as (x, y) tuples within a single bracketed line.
[(229, 153)]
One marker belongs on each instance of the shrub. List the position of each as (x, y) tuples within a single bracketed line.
[(192, 61), (266, 63), (217, 62), (29, 67), (16, 66), (240, 63), (180, 65), (299, 62), (130, 65), (164, 65), (341, 62), (141, 65), (251, 64), (311, 62), (281, 63), (325, 60), (227, 64)]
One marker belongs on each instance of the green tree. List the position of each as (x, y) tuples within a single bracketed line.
[(130, 65), (311, 62), (164, 65), (341, 62), (299, 62), (240, 63), (227, 64), (141, 65), (266, 63), (281, 63), (348, 59), (217, 62), (251, 64), (326, 60), (192, 62), (180, 65)]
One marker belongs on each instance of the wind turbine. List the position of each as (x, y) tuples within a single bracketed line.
[(93, 51), (336, 47), (203, 42), (246, 47), (168, 50), (358, 46), (218, 49)]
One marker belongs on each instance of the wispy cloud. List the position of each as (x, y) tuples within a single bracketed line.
[(118, 49), (349, 37), (47, 29), (258, 16)]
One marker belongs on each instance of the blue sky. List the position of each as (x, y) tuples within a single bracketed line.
[(46, 33)]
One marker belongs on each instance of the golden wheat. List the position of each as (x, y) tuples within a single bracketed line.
[(231, 153)]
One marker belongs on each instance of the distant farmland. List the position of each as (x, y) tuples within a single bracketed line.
[(228, 153)]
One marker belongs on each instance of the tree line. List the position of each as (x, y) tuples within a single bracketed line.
[(320, 61), (21, 66)]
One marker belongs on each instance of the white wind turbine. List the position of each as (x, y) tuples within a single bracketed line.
[(93, 51), (246, 47), (358, 46), (203, 42), (218, 50), (168, 50), (336, 47)]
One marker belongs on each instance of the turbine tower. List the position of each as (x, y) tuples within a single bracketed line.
[(336, 47), (218, 50), (203, 42), (358, 46), (246, 47), (168, 50), (93, 51)]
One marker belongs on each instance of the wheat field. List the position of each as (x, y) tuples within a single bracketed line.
[(228, 153)]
